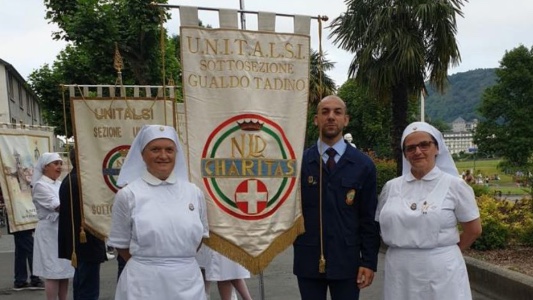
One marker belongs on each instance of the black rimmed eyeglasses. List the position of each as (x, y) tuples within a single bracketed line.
[(424, 146)]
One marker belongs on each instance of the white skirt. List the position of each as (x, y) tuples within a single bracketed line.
[(221, 268), (45, 253), (160, 278), (426, 274)]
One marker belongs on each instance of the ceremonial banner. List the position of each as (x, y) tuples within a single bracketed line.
[(246, 105), (19, 151), (103, 132)]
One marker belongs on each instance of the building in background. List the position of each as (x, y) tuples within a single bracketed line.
[(19, 105), (461, 137)]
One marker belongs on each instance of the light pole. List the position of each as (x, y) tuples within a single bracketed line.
[(243, 16), (422, 106)]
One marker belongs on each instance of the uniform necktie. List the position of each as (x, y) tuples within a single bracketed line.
[(330, 163)]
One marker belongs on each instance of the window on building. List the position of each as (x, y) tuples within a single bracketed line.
[(34, 111), (28, 105), (21, 96), (11, 91)]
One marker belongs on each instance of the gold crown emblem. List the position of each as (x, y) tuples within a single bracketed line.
[(250, 125), (124, 152)]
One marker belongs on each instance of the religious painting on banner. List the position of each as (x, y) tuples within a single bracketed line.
[(103, 130), (246, 96), (20, 149)]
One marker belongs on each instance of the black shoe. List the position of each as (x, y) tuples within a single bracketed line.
[(37, 285), (21, 286)]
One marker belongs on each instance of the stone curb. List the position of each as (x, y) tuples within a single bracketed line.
[(498, 283)]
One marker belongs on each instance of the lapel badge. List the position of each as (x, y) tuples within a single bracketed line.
[(413, 206), (350, 196), (311, 180), (191, 206)]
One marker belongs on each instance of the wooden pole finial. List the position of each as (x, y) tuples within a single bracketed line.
[(117, 63)]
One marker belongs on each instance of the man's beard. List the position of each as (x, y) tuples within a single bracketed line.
[(331, 133)]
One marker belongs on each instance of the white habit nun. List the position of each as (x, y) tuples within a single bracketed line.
[(419, 219), (45, 196), (158, 222)]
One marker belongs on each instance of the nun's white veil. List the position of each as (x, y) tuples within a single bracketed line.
[(43, 160), (444, 159), (134, 165)]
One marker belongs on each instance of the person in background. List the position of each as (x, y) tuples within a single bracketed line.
[(348, 137), (469, 178), (90, 253), (158, 220), (121, 263), (24, 261), (339, 249), (228, 274), (45, 195), (418, 214), (23, 258)]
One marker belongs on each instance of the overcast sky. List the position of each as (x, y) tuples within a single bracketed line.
[(488, 29)]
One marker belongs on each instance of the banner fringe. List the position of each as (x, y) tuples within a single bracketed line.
[(256, 264), (92, 231)]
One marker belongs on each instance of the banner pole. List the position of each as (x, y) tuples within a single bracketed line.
[(261, 286)]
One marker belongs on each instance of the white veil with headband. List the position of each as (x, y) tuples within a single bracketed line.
[(44, 160), (134, 165), (444, 159)]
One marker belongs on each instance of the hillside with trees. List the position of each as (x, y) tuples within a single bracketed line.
[(462, 96)]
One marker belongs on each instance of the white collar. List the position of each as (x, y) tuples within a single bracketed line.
[(47, 179), (434, 173), (152, 180)]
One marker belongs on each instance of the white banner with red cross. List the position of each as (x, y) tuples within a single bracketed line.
[(103, 130), (20, 148), (246, 96)]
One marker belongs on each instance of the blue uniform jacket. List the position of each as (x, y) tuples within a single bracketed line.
[(349, 200)]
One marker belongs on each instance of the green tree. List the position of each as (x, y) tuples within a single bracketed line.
[(440, 125), (396, 46), (369, 119), (505, 129), (320, 84), (93, 28)]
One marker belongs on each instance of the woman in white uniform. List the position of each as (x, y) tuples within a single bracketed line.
[(158, 220), (418, 215), (227, 273), (45, 195)]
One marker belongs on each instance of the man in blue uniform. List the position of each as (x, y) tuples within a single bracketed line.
[(340, 245)]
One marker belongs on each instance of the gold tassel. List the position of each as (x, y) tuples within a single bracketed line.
[(322, 264), (74, 260), (83, 237)]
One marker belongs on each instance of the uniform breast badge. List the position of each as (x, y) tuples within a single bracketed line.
[(350, 196), (191, 206), (413, 206)]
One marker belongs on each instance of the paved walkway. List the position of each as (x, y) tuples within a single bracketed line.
[(278, 280)]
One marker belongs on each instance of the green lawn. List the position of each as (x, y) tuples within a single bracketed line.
[(489, 168)]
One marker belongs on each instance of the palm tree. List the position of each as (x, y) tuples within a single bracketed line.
[(398, 44), (320, 84)]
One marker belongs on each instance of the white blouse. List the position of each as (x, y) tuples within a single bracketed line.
[(411, 216), (155, 218)]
